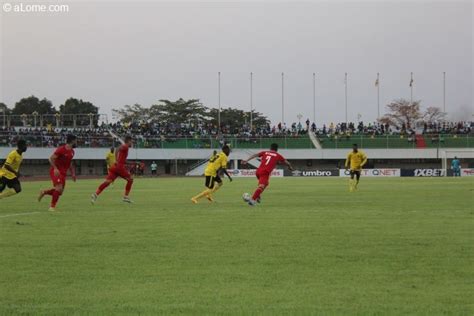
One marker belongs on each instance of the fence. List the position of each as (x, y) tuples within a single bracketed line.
[(8, 139), (397, 141), (165, 142)]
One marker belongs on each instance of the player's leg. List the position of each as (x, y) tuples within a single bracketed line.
[(263, 181), (14, 187), (217, 185), (351, 181), (357, 174), (56, 193), (108, 172), (209, 184), (108, 180), (3, 184), (128, 187)]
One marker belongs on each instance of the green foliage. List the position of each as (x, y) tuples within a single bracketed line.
[(396, 247), (179, 111), (75, 106), (32, 104), (237, 118), (4, 109), (187, 111)]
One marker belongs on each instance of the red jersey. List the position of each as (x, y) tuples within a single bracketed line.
[(269, 160), (122, 155), (64, 157)]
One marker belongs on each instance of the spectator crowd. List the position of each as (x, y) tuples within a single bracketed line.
[(153, 135)]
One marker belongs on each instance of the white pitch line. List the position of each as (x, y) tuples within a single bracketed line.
[(18, 214)]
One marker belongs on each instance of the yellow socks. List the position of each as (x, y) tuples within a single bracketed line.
[(7, 193), (351, 185), (216, 187), (202, 194)]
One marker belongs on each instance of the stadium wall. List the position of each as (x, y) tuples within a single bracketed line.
[(199, 154)]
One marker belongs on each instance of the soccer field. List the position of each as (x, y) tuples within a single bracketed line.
[(397, 246)]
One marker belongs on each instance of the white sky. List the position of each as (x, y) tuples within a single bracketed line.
[(115, 53)]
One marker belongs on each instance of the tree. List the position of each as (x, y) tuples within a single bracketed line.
[(179, 111), (81, 110), (133, 113), (33, 104), (187, 111), (402, 114), (433, 115), (236, 118), (4, 109), (75, 106)]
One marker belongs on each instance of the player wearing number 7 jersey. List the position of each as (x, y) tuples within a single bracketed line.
[(268, 161)]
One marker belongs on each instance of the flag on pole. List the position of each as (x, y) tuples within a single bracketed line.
[(411, 80), (377, 82)]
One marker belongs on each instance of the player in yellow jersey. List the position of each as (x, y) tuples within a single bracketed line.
[(216, 166), (356, 159), (110, 158), (10, 171)]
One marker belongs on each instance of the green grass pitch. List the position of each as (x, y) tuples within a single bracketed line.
[(397, 246)]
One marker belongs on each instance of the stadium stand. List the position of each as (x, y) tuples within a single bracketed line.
[(178, 136)]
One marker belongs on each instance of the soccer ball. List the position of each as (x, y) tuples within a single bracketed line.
[(246, 197)]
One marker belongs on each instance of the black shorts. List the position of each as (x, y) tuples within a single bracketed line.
[(210, 180), (356, 173), (10, 183)]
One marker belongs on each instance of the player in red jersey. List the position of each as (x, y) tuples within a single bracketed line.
[(118, 170), (268, 161), (60, 162)]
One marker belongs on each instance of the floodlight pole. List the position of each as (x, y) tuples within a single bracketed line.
[(251, 101), (282, 98), (444, 92), (219, 102), (314, 97), (345, 88), (378, 97)]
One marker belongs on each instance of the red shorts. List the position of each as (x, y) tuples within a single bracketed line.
[(60, 179), (118, 171), (263, 177)]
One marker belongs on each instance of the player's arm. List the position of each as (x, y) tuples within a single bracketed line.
[(52, 161), (7, 165), (348, 159), (364, 161), (223, 168), (117, 152), (244, 162), (116, 137), (288, 164), (224, 171), (72, 170)]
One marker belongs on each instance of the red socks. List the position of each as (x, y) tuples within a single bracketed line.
[(257, 193), (102, 187), (55, 198), (128, 187), (105, 184)]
